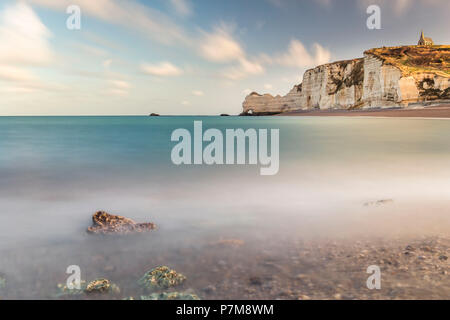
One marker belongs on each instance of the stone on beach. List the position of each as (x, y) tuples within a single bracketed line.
[(97, 286), (105, 223), (161, 278), (102, 286)]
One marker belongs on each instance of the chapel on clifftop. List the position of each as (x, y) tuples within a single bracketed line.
[(424, 41)]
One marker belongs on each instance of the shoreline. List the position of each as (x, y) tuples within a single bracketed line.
[(439, 111)]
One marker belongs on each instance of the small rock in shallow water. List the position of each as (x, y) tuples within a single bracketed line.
[(171, 296), (105, 223), (209, 289), (94, 287), (98, 286), (161, 277), (255, 281)]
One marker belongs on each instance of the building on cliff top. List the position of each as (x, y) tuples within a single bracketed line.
[(424, 41)]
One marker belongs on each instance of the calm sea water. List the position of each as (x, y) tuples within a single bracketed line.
[(55, 172)]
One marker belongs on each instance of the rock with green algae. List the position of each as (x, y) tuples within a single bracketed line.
[(100, 285), (161, 278), (171, 296)]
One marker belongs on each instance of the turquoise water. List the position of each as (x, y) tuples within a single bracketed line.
[(55, 172), (68, 167)]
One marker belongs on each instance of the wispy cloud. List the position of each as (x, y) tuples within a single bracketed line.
[(24, 39), (163, 69), (130, 14), (24, 45), (198, 93), (401, 7), (298, 56), (118, 88), (220, 46), (182, 7)]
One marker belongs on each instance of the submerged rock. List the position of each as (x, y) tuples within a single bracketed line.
[(105, 223), (161, 278), (102, 286), (98, 286), (171, 296)]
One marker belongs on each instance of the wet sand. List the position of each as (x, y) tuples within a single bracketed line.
[(441, 111)]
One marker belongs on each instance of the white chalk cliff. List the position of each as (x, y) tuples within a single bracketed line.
[(385, 77)]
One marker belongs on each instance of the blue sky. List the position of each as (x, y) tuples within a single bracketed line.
[(185, 56)]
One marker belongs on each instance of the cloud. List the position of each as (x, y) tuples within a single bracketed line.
[(298, 56), (118, 88), (90, 50), (21, 79), (107, 63), (243, 69), (16, 74), (23, 37), (219, 46), (181, 7), (400, 7), (198, 93), (24, 43), (130, 14), (163, 69)]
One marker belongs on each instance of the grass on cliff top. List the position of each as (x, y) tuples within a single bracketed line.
[(416, 59)]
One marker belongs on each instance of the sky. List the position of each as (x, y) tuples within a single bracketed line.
[(186, 57)]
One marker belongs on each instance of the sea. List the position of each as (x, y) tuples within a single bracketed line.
[(338, 178)]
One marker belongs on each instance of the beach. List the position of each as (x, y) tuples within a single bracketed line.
[(441, 111)]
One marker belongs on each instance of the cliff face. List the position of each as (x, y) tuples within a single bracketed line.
[(268, 104), (386, 77)]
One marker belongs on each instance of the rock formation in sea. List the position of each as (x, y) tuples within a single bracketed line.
[(105, 223), (383, 78)]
